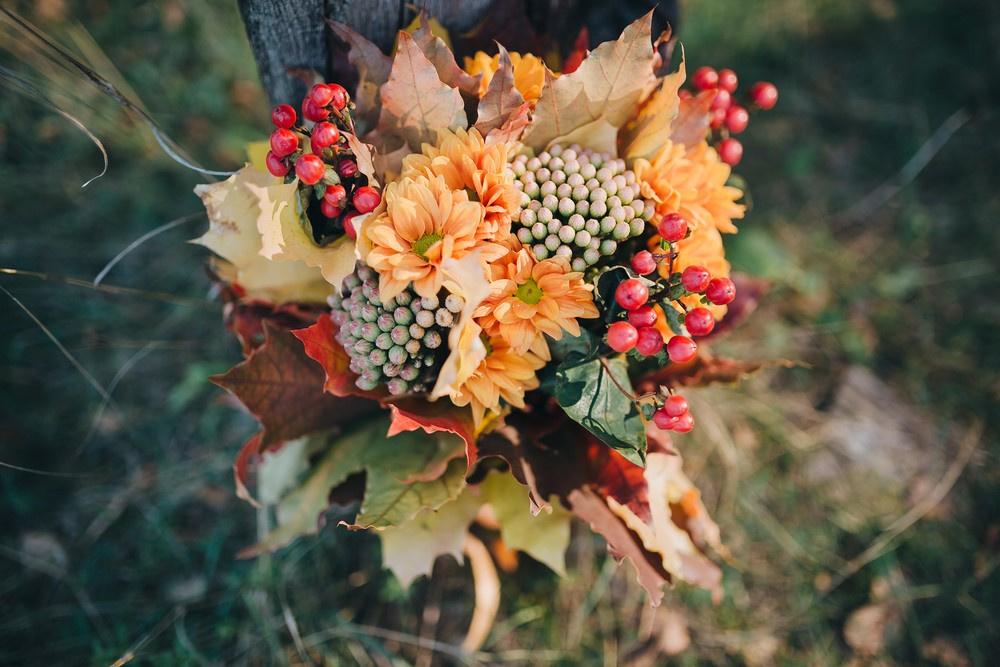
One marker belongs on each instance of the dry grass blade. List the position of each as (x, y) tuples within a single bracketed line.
[(142, 239)]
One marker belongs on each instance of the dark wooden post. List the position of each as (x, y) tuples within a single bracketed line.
[(293, 33)]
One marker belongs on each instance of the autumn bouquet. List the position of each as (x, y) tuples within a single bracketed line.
[(468, 295)]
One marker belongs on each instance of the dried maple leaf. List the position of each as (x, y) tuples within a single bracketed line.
[(692, 119), (651, 128), (364, 158), (589, 105), (415, 102), (283, 388), (373, 68), (442, 57), (502, 99), (389, 498)]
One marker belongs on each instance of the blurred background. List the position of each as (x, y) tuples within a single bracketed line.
[(857, 491)]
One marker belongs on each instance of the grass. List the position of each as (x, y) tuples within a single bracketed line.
[(884, 276)]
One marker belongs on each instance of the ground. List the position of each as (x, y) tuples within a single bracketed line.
[(874, 219)]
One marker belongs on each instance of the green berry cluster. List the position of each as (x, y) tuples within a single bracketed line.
[(401, 342), (578, 204)]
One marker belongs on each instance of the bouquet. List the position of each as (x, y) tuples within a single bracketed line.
[(473, 294)]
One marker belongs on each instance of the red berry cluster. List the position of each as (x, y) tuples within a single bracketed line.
[(727, 116), (636, 297), (329, 169)]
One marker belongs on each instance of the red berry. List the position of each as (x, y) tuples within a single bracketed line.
[(284, 142), (673, 227), (330, 210), (643, 262), (643, 316), (731, 151), (717, 119), (695, 278), (340, 96), (705, 78), (348, 222), (737, 118), (649, 342), (335, 194), (276, 165), (312, 112), (325, 134), (721, 291), (728, 80), (310, 169), (675, 405), (681, 349), (722, 100), (622, 336), (631, 293), (684, 423), (283, 115), (663, 420), (321, 94), (684, 94), (764, 94), (699, 322), (347, 168), (366, 199)]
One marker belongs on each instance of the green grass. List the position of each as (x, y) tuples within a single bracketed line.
[(134, 549)]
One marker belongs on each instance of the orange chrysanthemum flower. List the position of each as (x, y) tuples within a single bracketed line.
[(503, 374), (529, 72), (466, 162), (423, 223), (529, 298), (692, 182)]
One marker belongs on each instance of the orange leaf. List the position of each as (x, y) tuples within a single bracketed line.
[(410, 414)]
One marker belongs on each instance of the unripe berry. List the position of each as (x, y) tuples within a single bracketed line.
[(731, 151), (643, 316), (284, 142), (325, 134), (347, 168), (737, 118), (722, 100), (283, 115), (681, 349), (705, 78), (348, 222), (631, 293), (684, 423), (335, 194), (764, 94), (321, 94), (340, 96), (312, 112), (622, 336), (673, 227), (675, 405), (721, 291), (695, 278), (309, 168), (366, 199), (643, 262), (699, 322), (276, 165), (330, 210), (728, 80), (649, 341)]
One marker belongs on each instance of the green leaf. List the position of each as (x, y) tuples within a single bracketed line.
[(544, 536), (590, 396), (675, 318), (396, 485)]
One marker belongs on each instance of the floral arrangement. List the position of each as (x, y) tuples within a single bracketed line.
[(472, 295)]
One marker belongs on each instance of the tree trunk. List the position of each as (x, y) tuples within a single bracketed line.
[(292, 34)]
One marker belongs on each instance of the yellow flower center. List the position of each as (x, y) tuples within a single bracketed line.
[(529, 292), (424, 243)]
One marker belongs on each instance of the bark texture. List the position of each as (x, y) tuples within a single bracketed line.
[(288, 34)]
